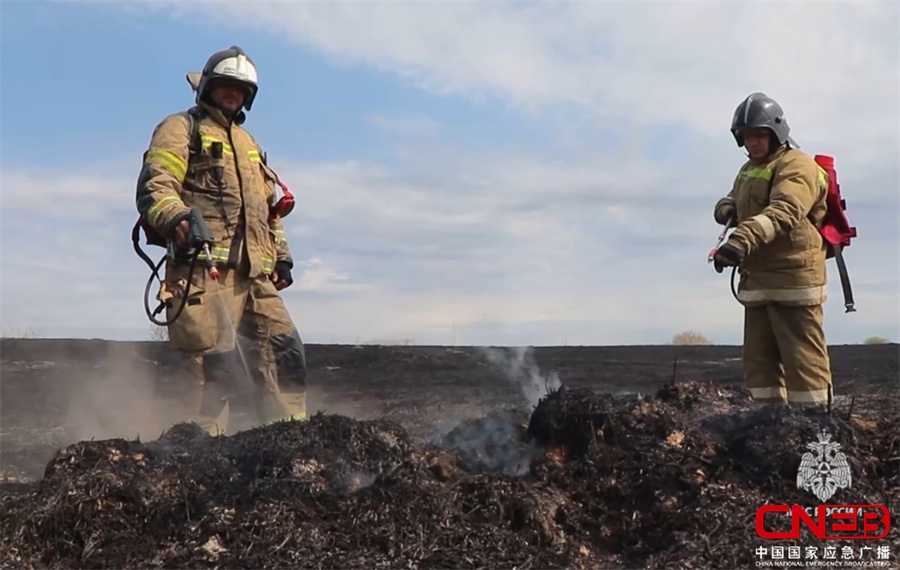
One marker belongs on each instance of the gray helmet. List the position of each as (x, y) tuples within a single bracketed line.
[(233, 64), (760, 110)]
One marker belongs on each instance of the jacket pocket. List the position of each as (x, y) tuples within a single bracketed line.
[(790, 251)]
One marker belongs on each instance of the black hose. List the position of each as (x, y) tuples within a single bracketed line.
[(161, 306), (154, 272), (733, 290)]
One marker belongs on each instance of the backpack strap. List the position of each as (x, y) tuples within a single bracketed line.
[(849, 303), (195, 142)]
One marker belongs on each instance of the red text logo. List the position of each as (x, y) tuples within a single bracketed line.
[(847, 522)]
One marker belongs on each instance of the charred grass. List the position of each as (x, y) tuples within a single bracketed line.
[(587, 480)]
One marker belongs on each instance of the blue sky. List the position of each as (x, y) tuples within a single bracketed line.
[(125, 69), (477, 174)]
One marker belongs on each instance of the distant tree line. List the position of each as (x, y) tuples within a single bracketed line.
[(688, 338)]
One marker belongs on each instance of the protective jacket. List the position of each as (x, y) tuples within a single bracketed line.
[(233, 193), (780, 204)]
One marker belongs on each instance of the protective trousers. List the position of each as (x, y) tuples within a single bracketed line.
[(239, 344), (785, 355)]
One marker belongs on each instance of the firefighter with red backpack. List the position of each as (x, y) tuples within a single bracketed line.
[(207, 195), (778, 206)]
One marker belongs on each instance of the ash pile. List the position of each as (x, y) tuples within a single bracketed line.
[(669, 480)]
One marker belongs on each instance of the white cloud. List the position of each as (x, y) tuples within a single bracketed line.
[(316, 275), (380, 257), (622, 69), (84, 195), (834, 68)]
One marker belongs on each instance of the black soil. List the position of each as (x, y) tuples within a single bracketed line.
[(666, 478), (672, 480)]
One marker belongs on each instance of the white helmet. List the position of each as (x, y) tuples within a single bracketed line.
[(233, 64)]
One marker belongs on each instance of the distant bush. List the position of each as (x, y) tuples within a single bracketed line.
[(690, 337), (16, 332), (876, 340)]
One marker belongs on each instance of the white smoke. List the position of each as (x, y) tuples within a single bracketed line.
[(519, 367)]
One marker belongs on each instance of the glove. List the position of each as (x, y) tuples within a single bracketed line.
[(726, 256), (724, 213), (282, 275)]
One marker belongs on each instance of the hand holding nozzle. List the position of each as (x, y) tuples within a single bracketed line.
[(728, 225), (201, 238), (192, 236)]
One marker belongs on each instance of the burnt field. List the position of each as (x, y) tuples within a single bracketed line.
[(428, 457)]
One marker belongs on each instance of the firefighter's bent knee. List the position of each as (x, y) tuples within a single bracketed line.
[(221, 366), (290, 358)]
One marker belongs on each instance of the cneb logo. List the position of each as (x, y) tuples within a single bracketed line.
[(823, 470), (849, 522)]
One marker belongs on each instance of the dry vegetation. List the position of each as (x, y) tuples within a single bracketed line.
[(436, 459), (588, 480), (690, 338), (18, 332)]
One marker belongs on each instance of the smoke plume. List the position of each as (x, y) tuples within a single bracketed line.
[(519, 367)]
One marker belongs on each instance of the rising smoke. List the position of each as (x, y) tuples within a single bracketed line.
[(519, 367), (498, 443)]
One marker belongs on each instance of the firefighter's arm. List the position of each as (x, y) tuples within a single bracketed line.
[(282, 248), (276, 226), (726, 208), (795, 190), (162, 175)]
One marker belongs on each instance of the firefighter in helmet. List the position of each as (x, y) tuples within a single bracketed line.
[(236, 326), (778, 203)]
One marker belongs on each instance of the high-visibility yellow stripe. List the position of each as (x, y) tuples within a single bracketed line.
[(765, 223), (808, 396), (295, 417), (823, 178), (155, 210), (169, 161), (207, 140), (759, 172), (218, 253), (812, 295), (769, 393), (766, 174)]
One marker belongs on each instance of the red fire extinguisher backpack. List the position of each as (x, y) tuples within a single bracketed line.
[(836, 228)]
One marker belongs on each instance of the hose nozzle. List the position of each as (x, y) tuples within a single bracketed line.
[(213, 270), (712, 253)]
